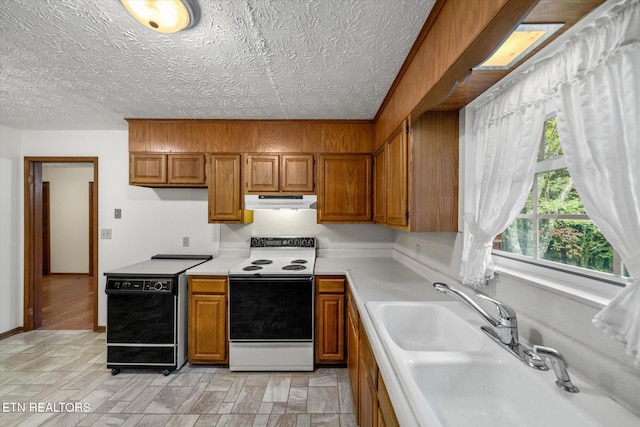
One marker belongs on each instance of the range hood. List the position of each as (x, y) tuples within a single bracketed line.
[(256, 202)]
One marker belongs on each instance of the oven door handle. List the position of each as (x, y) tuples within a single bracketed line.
[(270, 278)]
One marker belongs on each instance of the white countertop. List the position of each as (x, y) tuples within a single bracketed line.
[(215, 267)]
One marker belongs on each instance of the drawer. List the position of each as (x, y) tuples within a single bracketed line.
[(208, 285), (330, 284)]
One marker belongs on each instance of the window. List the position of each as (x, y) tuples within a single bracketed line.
[(553, 226)]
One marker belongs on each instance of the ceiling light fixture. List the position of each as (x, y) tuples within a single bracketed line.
[(520, 42), (164, 16)]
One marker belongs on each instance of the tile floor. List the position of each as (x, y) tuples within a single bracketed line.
[(60, 378)]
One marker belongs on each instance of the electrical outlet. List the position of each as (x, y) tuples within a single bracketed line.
[(185, 242), (117, 214), (105, 233)]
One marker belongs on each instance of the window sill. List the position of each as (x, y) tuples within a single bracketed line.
[(590, 291)]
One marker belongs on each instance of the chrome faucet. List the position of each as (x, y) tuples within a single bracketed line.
[(559, 365), (504, 330)]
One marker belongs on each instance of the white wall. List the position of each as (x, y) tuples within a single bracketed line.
[(332, 240), (69, 216), (153, 220), (10, 243)]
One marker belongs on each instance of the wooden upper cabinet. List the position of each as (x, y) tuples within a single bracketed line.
[(344, 188), (380, 185), (296, 173), (147, 169), (225, 192), (279, 173), (419, 178), (396, 178), (433, 200), (186, 169), (263, 173), (167, 170)]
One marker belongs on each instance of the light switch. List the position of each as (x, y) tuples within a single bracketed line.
[(117, 214)]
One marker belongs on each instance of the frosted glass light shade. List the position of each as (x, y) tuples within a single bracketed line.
[(164, 16)]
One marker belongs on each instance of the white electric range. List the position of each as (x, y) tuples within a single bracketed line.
[(271, 306)]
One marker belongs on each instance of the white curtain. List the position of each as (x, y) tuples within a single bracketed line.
[(507, 130), (597, 82)]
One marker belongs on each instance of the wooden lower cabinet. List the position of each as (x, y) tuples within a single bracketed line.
[(372, 404), (330, 320), (353, 347), (207, 336), (368, 384)]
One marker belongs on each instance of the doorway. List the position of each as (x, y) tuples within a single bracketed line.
[(37, 286)]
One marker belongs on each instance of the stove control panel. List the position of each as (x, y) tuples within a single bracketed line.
[(125, 285), (283, 242)]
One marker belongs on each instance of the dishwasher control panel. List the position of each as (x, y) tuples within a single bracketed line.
[(138, 285)]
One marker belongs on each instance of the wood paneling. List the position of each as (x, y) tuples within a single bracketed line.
[(268, 136), (463, 34)]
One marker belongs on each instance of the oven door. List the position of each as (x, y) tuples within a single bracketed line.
[(271, 308), (138, 318)]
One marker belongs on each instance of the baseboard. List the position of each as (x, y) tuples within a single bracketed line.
[(10, 333), (101, 329)]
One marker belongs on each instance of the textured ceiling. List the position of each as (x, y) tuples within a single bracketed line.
[(87, 64)]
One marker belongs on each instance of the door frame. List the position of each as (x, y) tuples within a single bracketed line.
[(32, 316)]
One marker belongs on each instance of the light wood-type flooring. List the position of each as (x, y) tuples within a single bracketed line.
[(67, 369), (67, 302)]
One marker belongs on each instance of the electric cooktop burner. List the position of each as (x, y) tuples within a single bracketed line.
[(279, 257)]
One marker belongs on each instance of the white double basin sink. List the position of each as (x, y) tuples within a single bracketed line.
[(452, 374)]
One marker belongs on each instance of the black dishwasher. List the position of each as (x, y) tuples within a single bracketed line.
[(147, 313)]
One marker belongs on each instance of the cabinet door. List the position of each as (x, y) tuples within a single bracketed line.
[(386, 414), (225, 202), (263, 173), (397, 184), (380, 185), (147, 168), (186, 169), (368, 399), (330, 329), (344, 188), (296, 173), (207, 328), (353, 358)]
